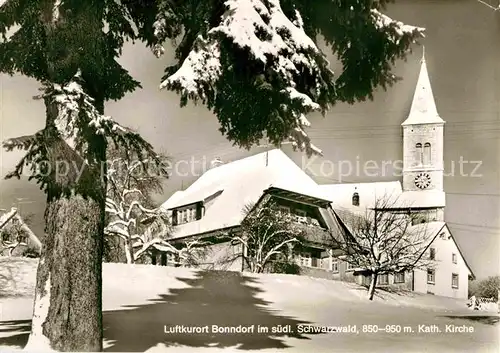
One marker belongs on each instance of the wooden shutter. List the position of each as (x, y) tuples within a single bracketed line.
[(174, 217), (199, 209), (314, 261)]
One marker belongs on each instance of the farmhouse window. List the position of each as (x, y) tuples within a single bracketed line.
[(432, 254), (335, 265), (399, 277), (431, 276), (383, 279)]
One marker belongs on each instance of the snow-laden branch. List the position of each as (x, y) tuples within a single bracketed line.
[(19, 228), (265, 233), (384, 241), (4, 219), (11, 246), (118, 222), (274, 250), (262, 28), (132, 191), (201, 66), (137, 204), (114, 211), (72, 100), (154, 242), (127, 208), (122, 233), (55, 10), (400, 29)]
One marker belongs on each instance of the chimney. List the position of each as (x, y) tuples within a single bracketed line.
[(216, 162)]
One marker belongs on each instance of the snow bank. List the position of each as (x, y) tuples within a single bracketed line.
[(136, 284)]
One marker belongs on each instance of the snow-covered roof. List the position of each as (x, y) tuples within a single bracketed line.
[(242, 182), (7, 218), (172, 200), (390, 194), (423, 107), (421, 199), (341, 194), (430, 228)]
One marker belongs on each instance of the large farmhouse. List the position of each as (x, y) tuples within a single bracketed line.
[(215, 203)]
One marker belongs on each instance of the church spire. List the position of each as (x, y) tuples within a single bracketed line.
[(423, 107)]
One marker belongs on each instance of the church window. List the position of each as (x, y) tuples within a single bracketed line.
[(418, 218), (355, 199), (427, 153), (418, 146)]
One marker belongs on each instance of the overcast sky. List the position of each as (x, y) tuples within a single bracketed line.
[(462, 47)]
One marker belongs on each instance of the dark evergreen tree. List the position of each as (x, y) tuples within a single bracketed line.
[(65, 46)]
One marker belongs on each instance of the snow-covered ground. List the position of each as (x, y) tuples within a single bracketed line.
[(141, 301)]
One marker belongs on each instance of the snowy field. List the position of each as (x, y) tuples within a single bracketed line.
[(142, 302)]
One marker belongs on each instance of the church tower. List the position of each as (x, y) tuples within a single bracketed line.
[(423, 140)]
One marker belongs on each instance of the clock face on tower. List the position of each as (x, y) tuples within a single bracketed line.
[(423, 180)]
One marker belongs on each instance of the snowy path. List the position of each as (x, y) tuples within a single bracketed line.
[(140, 301)]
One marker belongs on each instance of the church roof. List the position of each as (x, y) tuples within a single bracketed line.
[(389, 194), (422, 199), (423, 107), (341, 194)]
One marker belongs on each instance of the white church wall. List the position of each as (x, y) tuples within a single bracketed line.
[(422, 134)]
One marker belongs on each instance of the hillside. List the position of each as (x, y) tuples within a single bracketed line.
[(141, 302)]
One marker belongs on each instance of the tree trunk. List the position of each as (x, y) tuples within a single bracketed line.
[(373, 284), (253, 266), (67, 314), (129, 252)]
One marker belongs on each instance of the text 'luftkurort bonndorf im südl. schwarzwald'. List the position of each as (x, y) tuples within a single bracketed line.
[(252, 329)]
